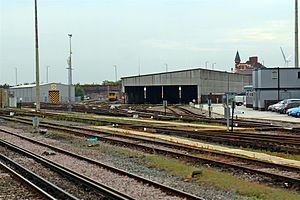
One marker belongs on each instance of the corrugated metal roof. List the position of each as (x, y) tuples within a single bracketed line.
[(179, 71), (33, 85)]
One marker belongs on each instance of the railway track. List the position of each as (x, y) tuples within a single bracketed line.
[(60, 182), (271, 142), (278, 173), (169, 191), (16, 186), (159, 115)]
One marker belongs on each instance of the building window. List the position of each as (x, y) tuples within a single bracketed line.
[(275, 75), (298, 74)]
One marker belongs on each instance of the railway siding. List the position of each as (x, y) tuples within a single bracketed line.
[(251, 154)]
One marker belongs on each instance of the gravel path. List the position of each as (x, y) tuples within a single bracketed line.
[(129, 164)]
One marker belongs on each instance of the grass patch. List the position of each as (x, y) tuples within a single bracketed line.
[(219, 180)]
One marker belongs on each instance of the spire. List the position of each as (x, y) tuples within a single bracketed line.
[(237, 58)]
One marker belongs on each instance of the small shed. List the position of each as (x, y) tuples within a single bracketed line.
[(3, 98), (49, 93)]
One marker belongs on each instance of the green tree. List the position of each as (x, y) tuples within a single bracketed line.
[(5, 86), (107, 82), (79, 92)]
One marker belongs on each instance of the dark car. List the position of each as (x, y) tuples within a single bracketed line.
[(288, 103)]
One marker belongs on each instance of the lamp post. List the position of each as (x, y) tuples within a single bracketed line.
[(206, 63), (47, 74), (116, 76), (296, 36), (213, 66), (37, 67), (70, 74), (16, 74), (139, 66), (166, 67)]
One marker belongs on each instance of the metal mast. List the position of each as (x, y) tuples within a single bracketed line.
[(296, 36), (37, 67), (47, 74), (116, 74), (70, 75)]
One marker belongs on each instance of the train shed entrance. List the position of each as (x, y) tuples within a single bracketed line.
[(153, 94), (156, 94), (188, 93), (182, 86), (134, 95), (171, 94)]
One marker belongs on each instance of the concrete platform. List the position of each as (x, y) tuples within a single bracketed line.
[(202, 145), (243, 112)]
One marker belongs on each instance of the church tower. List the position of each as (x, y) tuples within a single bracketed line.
[(237, 58), (237, 61)]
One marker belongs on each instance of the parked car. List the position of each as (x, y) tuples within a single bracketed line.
[(288, 103), (295, 112), (274, 106), (289, 111)]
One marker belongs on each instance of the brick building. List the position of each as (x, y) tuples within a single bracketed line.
[(248, 66), (97, 91)]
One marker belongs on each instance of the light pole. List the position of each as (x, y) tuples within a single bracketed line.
[(296, 36), (206, 63), (37, 66), (166, 67), (139, 66), (70, 74), (213, 66), (16, 74), (116, 76), (47, 74)]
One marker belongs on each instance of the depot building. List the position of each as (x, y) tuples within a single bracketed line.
[(49, 93), (183, 86)]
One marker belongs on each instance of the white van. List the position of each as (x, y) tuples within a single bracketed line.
[(240, 100)]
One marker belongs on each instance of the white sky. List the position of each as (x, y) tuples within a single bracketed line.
[(182, 33)]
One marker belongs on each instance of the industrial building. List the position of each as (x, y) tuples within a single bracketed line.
[(248, 66), (49, 93), (3, 98), (182, 86), (271, 85), (97, 91)]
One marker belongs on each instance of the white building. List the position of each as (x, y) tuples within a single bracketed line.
[(49, 93), (271, 85)]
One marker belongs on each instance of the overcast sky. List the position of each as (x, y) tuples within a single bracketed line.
[(182, 33)]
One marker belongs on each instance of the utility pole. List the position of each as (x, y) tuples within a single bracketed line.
[(139, 66), (70, 74), (206, 63), (296, 36), (47, 74), (166, 67), (16, 74), (116, 76), (213, 66), (37, 67)]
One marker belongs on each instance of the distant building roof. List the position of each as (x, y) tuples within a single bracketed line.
[(177, 71), (33, 85)]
